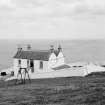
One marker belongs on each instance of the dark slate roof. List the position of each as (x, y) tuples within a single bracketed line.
[(35, 55), (61, 67)]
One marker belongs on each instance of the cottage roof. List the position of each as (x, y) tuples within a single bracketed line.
[(35, 55)]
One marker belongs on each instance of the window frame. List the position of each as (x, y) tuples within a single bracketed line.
[(19, 62), (41, 64), (31, 65)]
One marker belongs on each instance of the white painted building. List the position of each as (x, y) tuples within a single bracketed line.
[(38, 61)]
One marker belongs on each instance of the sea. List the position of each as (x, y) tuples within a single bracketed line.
[(73, 50)]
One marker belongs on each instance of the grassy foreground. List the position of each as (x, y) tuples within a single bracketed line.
[(60, 91)]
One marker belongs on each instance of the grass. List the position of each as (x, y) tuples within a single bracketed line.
[(88, 90)]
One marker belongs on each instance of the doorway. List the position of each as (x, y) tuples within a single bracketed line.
[(32, 65)]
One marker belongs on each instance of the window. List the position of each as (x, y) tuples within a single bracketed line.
[(32, 65), (19, 62), (12, 73), (41, 64), (28, 63)]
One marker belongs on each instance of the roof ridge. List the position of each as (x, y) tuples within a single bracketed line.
[(36, 50)]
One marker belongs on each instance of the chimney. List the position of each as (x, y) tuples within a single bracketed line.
[(59, 48), (52, 48), (28, 47), (19, 48)]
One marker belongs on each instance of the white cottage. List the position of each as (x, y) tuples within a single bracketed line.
[(38, 61)]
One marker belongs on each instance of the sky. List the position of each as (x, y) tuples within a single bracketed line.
[(52, 19)]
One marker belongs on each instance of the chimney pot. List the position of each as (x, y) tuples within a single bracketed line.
[(59, 48), (19, 48)]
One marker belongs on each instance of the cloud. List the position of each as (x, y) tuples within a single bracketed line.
[(30, 10), (55, 8), (6, 4), (62, 18), (61, 9)]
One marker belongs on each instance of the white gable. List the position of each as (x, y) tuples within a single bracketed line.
[(52, 60), (60, 59)]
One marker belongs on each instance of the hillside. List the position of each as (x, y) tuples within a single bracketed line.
[(88, 90)]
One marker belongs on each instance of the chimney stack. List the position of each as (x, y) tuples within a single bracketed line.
[(59, 48), (19, 48), (52, 48), (28, 47)]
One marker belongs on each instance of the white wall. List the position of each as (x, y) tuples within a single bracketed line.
[(45, 66), (36, 65), (15, 66), (59, 73), (60, 59), (24, 63), (52, 61)]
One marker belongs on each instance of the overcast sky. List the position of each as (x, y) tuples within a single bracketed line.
[(54, 19)]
